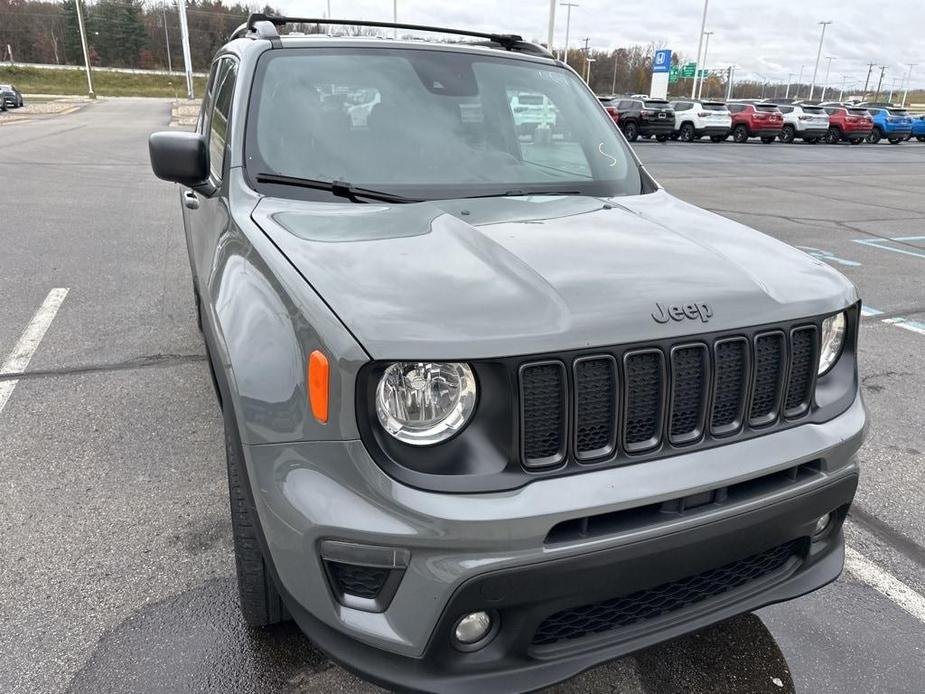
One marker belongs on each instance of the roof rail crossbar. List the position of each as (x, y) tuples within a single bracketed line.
[(510, 42)]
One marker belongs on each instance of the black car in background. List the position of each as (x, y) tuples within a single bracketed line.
[(646, 117), (10, 96)]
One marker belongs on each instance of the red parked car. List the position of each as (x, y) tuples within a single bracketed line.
[(610, 105), (756, 120), (847, 124)]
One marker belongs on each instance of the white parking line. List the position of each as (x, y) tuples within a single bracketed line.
[(883, 582), (29, 341)]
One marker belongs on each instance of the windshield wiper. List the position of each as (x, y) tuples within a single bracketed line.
[(341, 189), (524, 193)]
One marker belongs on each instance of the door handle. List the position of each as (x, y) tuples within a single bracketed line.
[(191, 200)]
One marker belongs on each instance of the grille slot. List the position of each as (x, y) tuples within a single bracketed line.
[(770, 356), (644, 394), (730, 385), (595, 406), (690, 366), (543, 413), (802, 371), (645, 605), (361, 581)]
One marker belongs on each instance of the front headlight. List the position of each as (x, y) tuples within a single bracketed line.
[(423, 403), (833, 338)]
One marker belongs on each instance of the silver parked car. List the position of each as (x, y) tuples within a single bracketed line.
[(497, 408)]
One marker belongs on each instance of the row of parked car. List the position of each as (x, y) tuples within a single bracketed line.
[(784, 119)]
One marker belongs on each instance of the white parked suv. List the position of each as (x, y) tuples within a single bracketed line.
[(803, 121), (694, 119)]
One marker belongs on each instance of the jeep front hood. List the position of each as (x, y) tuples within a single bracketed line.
[(480, 278)]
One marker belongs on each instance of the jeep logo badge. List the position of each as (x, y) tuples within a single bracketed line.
[(679, 312)]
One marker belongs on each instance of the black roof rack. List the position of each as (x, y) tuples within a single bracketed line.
[(255, 27)]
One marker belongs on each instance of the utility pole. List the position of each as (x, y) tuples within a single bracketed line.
[(184, 38), (550, 32), (589, 60), (166, 37), (706, 48), (83, 44), (870, 67), (826, 85), (880, 82), (812, 86), (703, 26), (908, 81), (732, 69), (568, 24), (586, 51)]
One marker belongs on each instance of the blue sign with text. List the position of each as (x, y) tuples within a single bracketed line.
[(662, 61)]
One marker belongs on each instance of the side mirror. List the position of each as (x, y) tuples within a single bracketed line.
[(180, 157)]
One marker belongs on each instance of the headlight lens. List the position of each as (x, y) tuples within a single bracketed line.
[(833, 337), (424, 403)]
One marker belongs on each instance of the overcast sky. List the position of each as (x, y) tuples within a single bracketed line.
[(762, 37)]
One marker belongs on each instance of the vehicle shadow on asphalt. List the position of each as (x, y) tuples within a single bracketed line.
[(197, 641)]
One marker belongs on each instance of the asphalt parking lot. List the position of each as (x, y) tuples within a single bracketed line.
[(117, 571)]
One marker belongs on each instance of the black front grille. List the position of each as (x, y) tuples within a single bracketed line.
[(361, 581), (769, 377), (802, 370), (596, 410), (644, 605), (645, 382), (642, 400), (543, 413)]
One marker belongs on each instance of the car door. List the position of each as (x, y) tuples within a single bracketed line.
[(208, 215)]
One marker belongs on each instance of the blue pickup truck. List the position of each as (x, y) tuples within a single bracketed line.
[(890, 122)]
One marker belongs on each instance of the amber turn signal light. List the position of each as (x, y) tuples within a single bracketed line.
[(318, 385)]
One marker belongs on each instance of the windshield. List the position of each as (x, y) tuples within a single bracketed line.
[(432, 124)]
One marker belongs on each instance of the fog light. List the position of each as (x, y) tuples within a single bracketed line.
[(472, 628), (822, 524)]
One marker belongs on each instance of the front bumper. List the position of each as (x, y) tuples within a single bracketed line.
[(491, 551)]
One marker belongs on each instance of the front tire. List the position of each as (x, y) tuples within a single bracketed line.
[(740, 133), (832, 136), (875, 136), (260, 602), (631, 131), (787, 134)]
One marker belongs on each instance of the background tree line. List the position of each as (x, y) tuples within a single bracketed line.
[(120, 33)]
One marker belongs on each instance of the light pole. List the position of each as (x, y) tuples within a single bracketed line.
[(908, 80), (799, 83), (568, 24), (613, 84), (789, 80), (395, 18), (706, 48), (826, 85), (844, 80), (166, 37), (588, 70), (550, 32), (83, 44), (703, 25), (184, 36), (732, 70), (892, 89), (812, 86)]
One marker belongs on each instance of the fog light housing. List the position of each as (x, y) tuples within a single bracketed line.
[(822, 524), (473, 630)]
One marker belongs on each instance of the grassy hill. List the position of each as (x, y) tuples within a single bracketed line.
[(31, 80)]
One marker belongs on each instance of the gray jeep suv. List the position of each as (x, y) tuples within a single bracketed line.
[(497, 407)]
